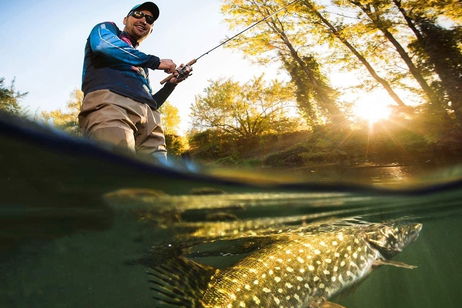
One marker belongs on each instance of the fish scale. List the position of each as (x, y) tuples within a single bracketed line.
[(293, 272), (304, 270)]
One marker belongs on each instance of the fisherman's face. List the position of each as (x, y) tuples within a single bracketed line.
[(138, 28)]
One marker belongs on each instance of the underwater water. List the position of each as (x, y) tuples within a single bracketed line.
[(80, 227), (100, 255)]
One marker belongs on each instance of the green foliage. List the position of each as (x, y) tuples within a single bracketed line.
[(9, 98), (370, 37), (315, 99), (212, 144), (228, 161), (285, 38), (438, 51), (385, 144), (287, 158), (399, 140), (433, 9), (170, 118), (410, 48), (244, 111), (176, 145)]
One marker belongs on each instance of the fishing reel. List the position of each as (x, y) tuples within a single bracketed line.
[(184, 71)]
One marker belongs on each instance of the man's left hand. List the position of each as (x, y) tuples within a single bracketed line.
[(185, 73)]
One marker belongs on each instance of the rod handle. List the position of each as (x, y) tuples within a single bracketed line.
[(172, 75)]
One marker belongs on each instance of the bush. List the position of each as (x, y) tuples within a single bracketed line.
[(291, 157), (212, 145), (176, 145)]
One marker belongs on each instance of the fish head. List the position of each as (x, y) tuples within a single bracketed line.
[(390, 239)]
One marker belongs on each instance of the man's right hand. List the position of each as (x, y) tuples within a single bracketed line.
[(167, 65)]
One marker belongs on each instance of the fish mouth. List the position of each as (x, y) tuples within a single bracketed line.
[(415, 231), (393, 238), (410, 234)]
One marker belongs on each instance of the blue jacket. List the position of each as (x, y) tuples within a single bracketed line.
[(112, 62)]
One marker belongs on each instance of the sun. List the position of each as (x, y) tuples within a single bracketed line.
[(372, 108)]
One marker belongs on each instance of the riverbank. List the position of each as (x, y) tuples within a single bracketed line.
[(327, 149)]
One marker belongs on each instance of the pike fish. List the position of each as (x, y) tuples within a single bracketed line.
[(296, 270)]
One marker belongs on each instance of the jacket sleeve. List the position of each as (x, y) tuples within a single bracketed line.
[(161, 96), (103, 39)]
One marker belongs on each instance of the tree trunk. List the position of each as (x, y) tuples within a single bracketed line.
[(323, 93), (302, 93), (447, 60), (409, 21), (358, 55), (442, 53), (375, 18)]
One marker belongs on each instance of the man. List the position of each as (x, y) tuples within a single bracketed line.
[(119, 107)]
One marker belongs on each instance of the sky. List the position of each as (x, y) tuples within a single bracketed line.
[(43, 47)]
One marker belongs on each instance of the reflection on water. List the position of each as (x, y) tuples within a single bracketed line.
[(389, 175)]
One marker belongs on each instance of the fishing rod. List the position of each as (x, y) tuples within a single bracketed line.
[(182, 71)]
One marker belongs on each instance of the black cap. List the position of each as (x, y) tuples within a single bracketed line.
[(148, 6)]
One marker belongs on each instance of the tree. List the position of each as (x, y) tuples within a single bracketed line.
[(339, 33), (9, 98), (244, 111), (68, 119), (433, 58), (170, 118), (376, 11), (377, 36), (176, 145), (440, 52), (284, 39)]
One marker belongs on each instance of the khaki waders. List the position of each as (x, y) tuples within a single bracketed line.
[(123, 122)]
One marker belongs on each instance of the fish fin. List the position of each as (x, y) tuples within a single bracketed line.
[(328, 304), (235, 246), (394, 263), (180, 282)]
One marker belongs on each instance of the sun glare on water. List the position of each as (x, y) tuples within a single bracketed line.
[(372, 109)]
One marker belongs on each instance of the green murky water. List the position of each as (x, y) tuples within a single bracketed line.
[(78, 257), (81, 228)]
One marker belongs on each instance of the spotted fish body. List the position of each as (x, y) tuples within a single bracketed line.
[(304, 270)]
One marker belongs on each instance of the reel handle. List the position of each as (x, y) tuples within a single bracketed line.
[(172, 75)]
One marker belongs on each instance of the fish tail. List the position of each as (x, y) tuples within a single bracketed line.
[(179, 282)]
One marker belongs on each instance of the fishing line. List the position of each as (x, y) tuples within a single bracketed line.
[(182, 70)]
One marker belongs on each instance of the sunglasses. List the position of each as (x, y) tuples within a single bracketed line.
[(138, 15)]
